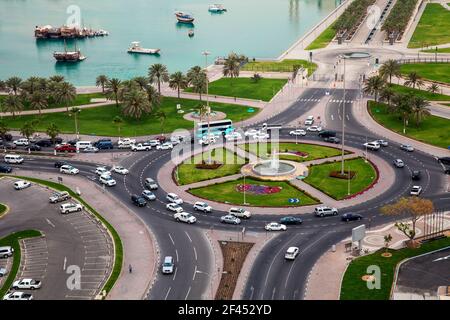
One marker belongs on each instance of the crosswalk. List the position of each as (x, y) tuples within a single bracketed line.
[(341, 101), (331, 101), (308, 100)]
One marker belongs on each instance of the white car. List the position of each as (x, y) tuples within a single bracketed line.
[(275, 226), (21, 184), (21, 142), (121, 170), (382, 143), (174, 207), (407, 147), (298, 132), (233, 136), (206, 141), (90, 150), (102, 171), (172, 197), (399, 163), (3, 272), (147, 194), (251, 132), (314, 128), (184, 217), (150, 184), (67, 169), (125, 145), (70, 207), (126, 141), (372, 145), (261, 136), (106, 179), (202, 206), (154, 143), (415, 191), (291, 253), (17, 296), (309, 120), (240, 213), (29, 284), (164, 146), (230, 219), (140, 147), (325, 211)]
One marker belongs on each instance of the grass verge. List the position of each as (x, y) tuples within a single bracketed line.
[(323, 39), (431, 71), (422, 93), (286, 65), (3, 209)]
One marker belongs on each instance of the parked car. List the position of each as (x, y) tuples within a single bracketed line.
[(126, 141), (6, 252), (70, 207), (150, 184), (350, 216), (407, 147), (374, 146), (275, 226), (148, 195), (34, 147), (161, 139), (107, 180), (298, 132), (65, 148), (5, 169), (251, 132), (261, 136), (399, 163), (9, 146), (202, 206), (68, 169), (164, 146), (17, 296), (291, 253), (26, 284), (21, 142), (415, 191), (314, 128), (3, 272), (291, 220), (44, 143), (90, 150), (154, 143), (104, 144), (240, 213), (21, 184), (121, 170), (168, 265), (172, 197), (309, 120), (174, 207), (184, 217), (234, 136), (138, 200), (416, 175), (59, 197), (325, 211), (332, 139), (230, 219), (140, 147)]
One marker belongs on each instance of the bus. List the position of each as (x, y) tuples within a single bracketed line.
[(219, 127)]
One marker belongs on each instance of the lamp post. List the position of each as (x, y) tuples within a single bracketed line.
[(208, 109), (343, 123), (210, 281), (245, 200), (75, 111)]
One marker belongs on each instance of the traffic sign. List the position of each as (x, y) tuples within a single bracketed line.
[(294, 200)]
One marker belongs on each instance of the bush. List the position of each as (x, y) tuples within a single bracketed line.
[(352, 16), (399, 16)]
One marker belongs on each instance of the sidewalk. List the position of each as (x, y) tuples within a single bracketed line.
[(139, 244)]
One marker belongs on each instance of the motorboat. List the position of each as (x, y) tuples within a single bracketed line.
[(191, 33), (136, 48), (184, 17), (216, 8)]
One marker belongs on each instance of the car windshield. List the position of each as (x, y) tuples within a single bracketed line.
[(167, 264)]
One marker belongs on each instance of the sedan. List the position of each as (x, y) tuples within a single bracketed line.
[(174, 208), (406, 147), (275, 226), (291, 253), (351, 216), (5, 169), (21, 184), (121, 170), (102, 171), (298, 132), (147, 194), (230, 219), (34, 147), (291, 220), (332, 139), (165, 146), (399, 163), (90, 150), (314, 128), (415, 191), (251, 132), (9, 146)]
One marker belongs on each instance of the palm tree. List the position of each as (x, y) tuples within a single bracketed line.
[(178, 81), (198, 83), (3, 129), (202, 111), (154, 98), (27, 129), (158, 73), (161, 116), (53, 131), (13, 84), (135, 104), (101, 81), (38, 100), (143, 82), (2, 85), (13, 104), (374, 85), (193, 72), (118, 121), (387, 94), (113, 87), (232, 66), (65, 94), (413, 80), (433, 88), (30, 85), (57, 78), (389, 69), (402, 105), (419, 108)]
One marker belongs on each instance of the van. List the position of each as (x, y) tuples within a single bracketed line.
[(6, 252), (168, 264), (102, 145), (83, 144), (13, 158)]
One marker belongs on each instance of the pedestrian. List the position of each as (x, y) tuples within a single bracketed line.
[(130, 268)]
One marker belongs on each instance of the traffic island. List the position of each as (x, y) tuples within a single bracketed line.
[(3, 209)]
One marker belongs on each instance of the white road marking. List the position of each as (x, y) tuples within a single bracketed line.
[(187, 294), (174, 274), (50, 223), (171, 239), (65, 262), (187, 235), (176, 253), (195, 254), (443, 258), (332, 117), (167, 294), (195, 272)]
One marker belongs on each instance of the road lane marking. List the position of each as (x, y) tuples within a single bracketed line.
[(50, 223), (195, 254), (171, 239), (187, 294), (174, 274), (167, 294), (195, 272), (65, 262), (176, 253), (187, 235)]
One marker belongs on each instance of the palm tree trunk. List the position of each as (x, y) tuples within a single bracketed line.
[(159, 86), (178, 92)]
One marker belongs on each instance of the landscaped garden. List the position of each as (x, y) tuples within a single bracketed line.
[(427, 95), (323, 39), (399, 17), (432, 28), (359, 175), (198, 168), (355, 288), (286, 65), (258, 193), (431, 71)]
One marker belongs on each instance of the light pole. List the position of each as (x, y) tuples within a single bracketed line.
[(343, 123), (210, 281), (208, 109), (348, 178), (75, 111), (245, 200)]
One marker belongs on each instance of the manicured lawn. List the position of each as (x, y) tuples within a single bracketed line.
[(337, 188), (264, 89), (264, 150), (431, 71), (439, 50), (98, 121), (187, 172), (323, 39), (433, 27), (2, 209), (354, 288), (423, 93), (12, 240), (286, 65), (226, 192), (433, 130)]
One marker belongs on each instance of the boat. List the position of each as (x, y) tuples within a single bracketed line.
[(191, 33), (68, 56), (66, 32), (216, 8), (183, 17), (136, 48)]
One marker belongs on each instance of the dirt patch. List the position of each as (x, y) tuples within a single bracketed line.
[(208, 166), (386, 254), (346, 175), (234, 254), (368, 278)]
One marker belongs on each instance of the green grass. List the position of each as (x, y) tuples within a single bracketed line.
[(286, 65), (3, 209), (431, 71), (118, 247), (439, 50), (226, 192), (81, 99), (314, 151), (354, 288), (323, 39), (337, 188), (12, 240), (432, 28), (98, 120), (187, 173), (433, 130), (264, 89), (422, 93)]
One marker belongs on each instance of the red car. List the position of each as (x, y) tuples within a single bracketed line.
[(66, 148), (161, 139)]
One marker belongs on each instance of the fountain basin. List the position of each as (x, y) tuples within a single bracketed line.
[(266, 168), (356, 55)]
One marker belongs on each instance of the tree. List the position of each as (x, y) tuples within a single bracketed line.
[(57, 78), (161, 116), (65, 94), (413, 80), (402, 106), (13, 84), (193, 73), (3, 129), (419, 108), (256, 77), (31, 85), (101, 81), (27, 129), (178, 81), (135, 104), (154, 98), (413, 208), (38, 100), (2, 85), (198, 83), (113, 87), (373, 86), (118, 121), (387, 94), (158, 73), (232, 65), (13, 104), (433, 88), (390, 69), (142, 82), (202, 111), (53, 131), (387, 241)]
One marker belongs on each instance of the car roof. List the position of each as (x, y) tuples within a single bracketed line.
[(291, 249)]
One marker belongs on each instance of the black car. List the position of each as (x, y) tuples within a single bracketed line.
[(72, 142), (9, 146), (332, 139), (5, 169), (59, 164), (351, 216), (291, 220), (34, 147), (138, 200), (44, 143), (447, 170), (7, 137), (327, 134), (415, 175), (444, 160)]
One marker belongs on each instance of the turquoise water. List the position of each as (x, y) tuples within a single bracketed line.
[(256, 28)]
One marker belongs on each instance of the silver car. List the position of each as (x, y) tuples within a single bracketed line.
[(230, 219)]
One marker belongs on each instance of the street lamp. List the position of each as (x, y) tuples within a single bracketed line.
[(343, 123), (210, 281), (75, 111), (208, 109), (245, 200)]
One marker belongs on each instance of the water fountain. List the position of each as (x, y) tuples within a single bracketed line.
[(274, 167)]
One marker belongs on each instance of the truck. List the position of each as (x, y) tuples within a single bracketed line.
[(17, 296), (25, 284)]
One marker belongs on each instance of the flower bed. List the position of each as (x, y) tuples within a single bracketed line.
[(258, 189)]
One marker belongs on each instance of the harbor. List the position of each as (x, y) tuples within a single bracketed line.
[(65, 32)]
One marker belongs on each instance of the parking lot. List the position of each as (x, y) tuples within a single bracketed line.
[(72, 244)]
